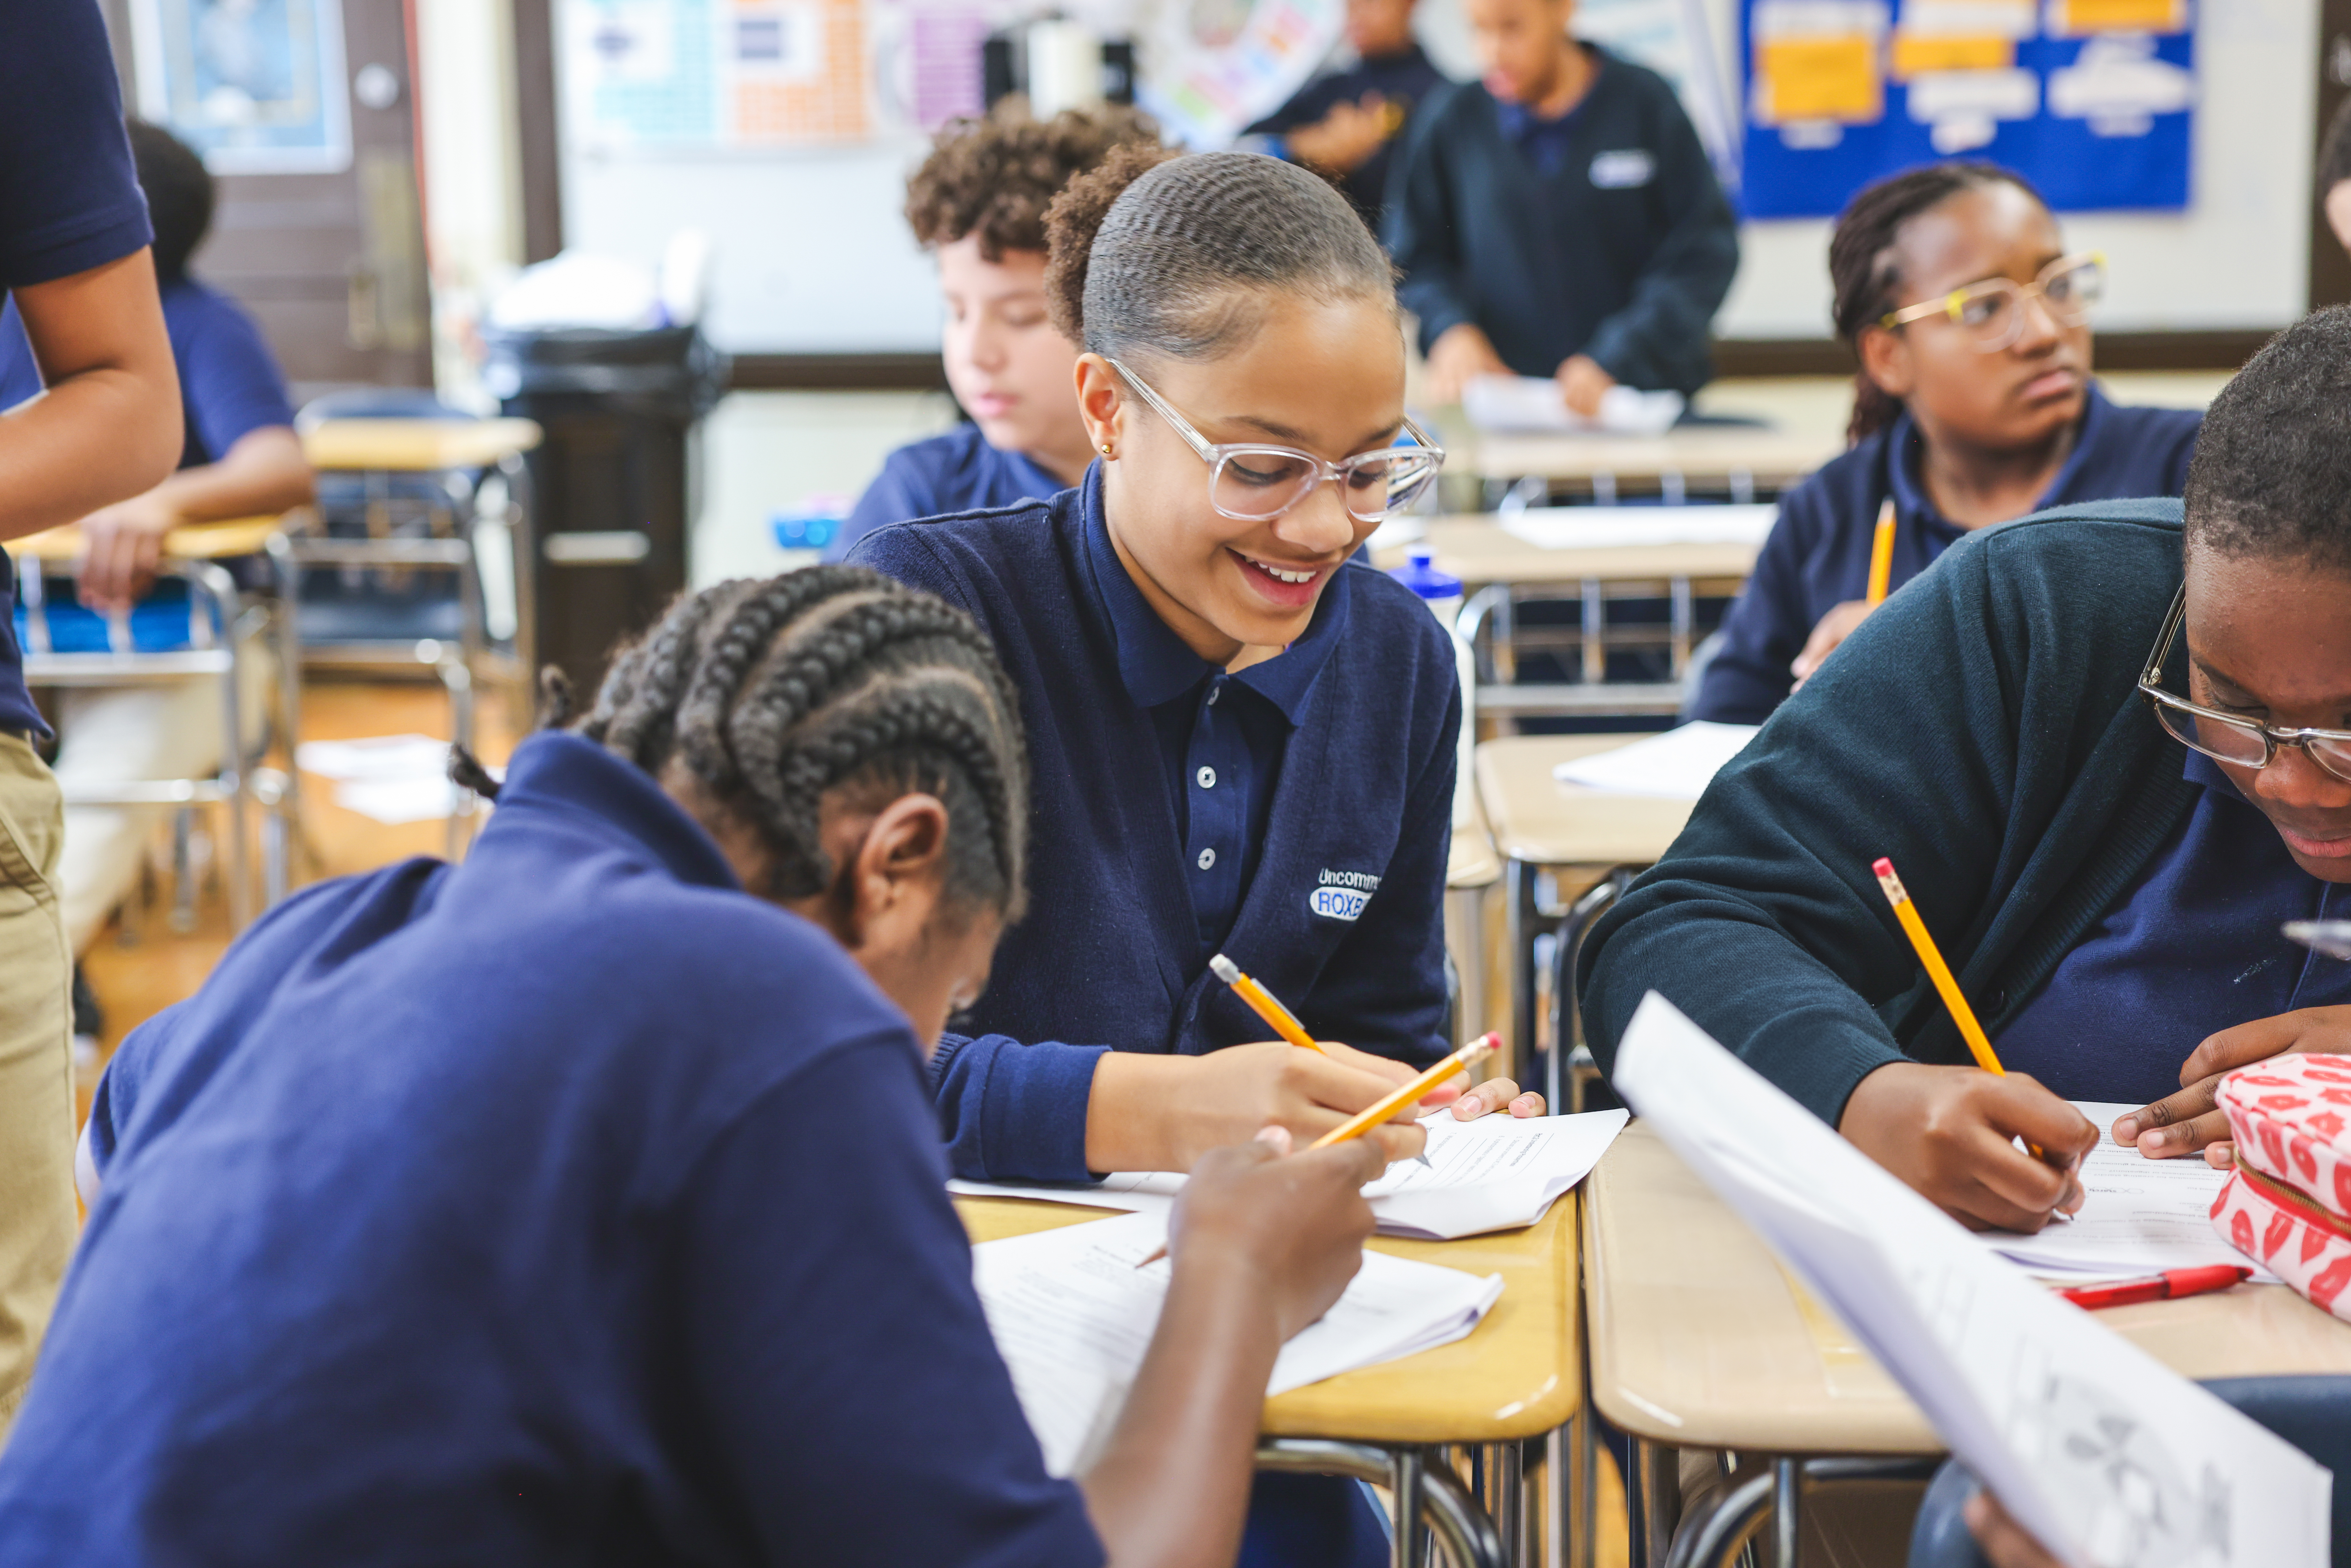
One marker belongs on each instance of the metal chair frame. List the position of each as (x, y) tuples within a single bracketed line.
[(222, 628)]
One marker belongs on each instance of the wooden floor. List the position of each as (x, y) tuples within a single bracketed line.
[(136, 979)]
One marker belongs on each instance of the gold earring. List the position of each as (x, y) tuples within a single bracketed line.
[(1105, 448)]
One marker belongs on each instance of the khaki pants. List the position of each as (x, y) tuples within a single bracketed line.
[(36, 1198)]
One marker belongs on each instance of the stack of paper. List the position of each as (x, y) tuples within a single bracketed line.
[(1534, 405), (1072, 1315), (2101, 1451), (2138, 1216), (1496, 1173), (391, 777), (1676, 766), (1616, 527)]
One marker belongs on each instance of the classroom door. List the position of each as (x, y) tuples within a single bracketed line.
[(331, 264)]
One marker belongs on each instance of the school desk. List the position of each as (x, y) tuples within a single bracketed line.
[(1515, 1379), (1578, 840), (416, 446), (1498, 571), (1472, 868), (1699, 1339), (1743, 461), (223, 627)]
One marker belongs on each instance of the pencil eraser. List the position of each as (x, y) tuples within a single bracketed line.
[(1882, 866)]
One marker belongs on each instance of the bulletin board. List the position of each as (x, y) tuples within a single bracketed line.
[(2091, 99)]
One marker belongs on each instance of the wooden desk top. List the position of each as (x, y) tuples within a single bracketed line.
[(1471, 861), (1474, 548), (196, 541), (1774, 457), (1701, 1340), (1516, 1376), (1537, 819), (416, 446)]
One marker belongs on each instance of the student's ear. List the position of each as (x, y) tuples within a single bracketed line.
[(2338, 213), (893, 876), (1101, 403), (1886, 357)]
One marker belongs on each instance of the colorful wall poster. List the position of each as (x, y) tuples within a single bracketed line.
[(258, 87)]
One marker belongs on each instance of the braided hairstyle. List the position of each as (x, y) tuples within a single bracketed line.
[(1866, 276), (1181, 256), (768, 695)]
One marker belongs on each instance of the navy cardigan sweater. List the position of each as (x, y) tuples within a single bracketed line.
[(1817, 556), (1108, 956), (1624, 254), (1983, 729)]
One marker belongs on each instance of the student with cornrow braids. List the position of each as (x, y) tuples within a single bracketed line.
[(1243, 740), (584, 1202), (1973, 406)]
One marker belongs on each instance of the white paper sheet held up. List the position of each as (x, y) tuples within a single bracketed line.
[(2138, 1216), (1533, 403), (1676, 766), (1072, 1315), (1496, 1173), (1615, 527), (2111, 1459)]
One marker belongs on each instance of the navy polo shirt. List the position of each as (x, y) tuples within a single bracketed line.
[(68, 200), (1342, 915), (958, 472), (1221, 736), (2190, 949), (1544, 142), (230, 386), (1817, 556), (515, 1205)]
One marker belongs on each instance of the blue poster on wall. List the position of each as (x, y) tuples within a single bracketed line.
[(2088, 99)]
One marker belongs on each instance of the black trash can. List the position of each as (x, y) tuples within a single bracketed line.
[(617, 482)]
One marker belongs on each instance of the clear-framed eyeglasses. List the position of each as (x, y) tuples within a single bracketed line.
[(1991, 312), (2228, 736), (1255, 481)]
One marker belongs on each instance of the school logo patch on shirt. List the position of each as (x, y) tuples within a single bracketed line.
[(1623, 169), (1342, 895)]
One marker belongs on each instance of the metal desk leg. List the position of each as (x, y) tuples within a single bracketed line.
[(1716, 1542), (1406, 1471), (1787, 1510), (1659, 1487), (1520, 921), (1462, 1526), (1510, 1512)]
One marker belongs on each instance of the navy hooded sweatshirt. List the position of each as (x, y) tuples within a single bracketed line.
[(1110, 954)]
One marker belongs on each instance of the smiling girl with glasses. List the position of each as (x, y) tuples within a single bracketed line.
[(1242, 741), (1973, 406)]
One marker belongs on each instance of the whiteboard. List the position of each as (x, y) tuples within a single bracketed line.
[(812, 254)]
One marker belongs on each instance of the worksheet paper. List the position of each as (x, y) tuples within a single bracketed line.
[(2111, 1459), (1675, 766), (1534, 405), (2138, 1216), (1072, 1315), (1618, 528), (1496, 1173)]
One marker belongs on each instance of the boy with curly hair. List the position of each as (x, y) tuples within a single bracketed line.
[(978, 200)]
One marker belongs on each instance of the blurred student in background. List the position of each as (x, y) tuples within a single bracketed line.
[(1559, 218), (1347, 124), (1973, 406), (98, 425), (980, 201)]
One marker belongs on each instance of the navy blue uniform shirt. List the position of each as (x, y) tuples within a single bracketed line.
[(1342, 916), (958, 472), (2191, 948), (68, 200), (1404, 79), (1817, 556), (1622, 252), (514, 1211), (230, 386)]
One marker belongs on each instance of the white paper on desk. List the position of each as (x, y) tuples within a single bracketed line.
[(2138, 1216), (2109, 1457), (1534, 405), (377, 756), (1676, 766), (1496, 1173), (1615, 527), (1072, 1315)]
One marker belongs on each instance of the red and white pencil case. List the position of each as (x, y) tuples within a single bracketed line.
[(2288, 1204)]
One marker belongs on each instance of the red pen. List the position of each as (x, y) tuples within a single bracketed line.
[(2167, 1286)]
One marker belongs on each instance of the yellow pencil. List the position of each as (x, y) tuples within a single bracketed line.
[(1937, 970), (1881, 554), (1365, 1121), (1261, 1001)]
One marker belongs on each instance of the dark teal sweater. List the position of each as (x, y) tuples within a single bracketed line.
[(1983, 730)]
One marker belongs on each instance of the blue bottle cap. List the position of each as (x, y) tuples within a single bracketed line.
[(1424, 578)]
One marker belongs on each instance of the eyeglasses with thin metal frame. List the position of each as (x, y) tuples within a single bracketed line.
[(2228, 736), (1255, 482), (1991, 311)]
